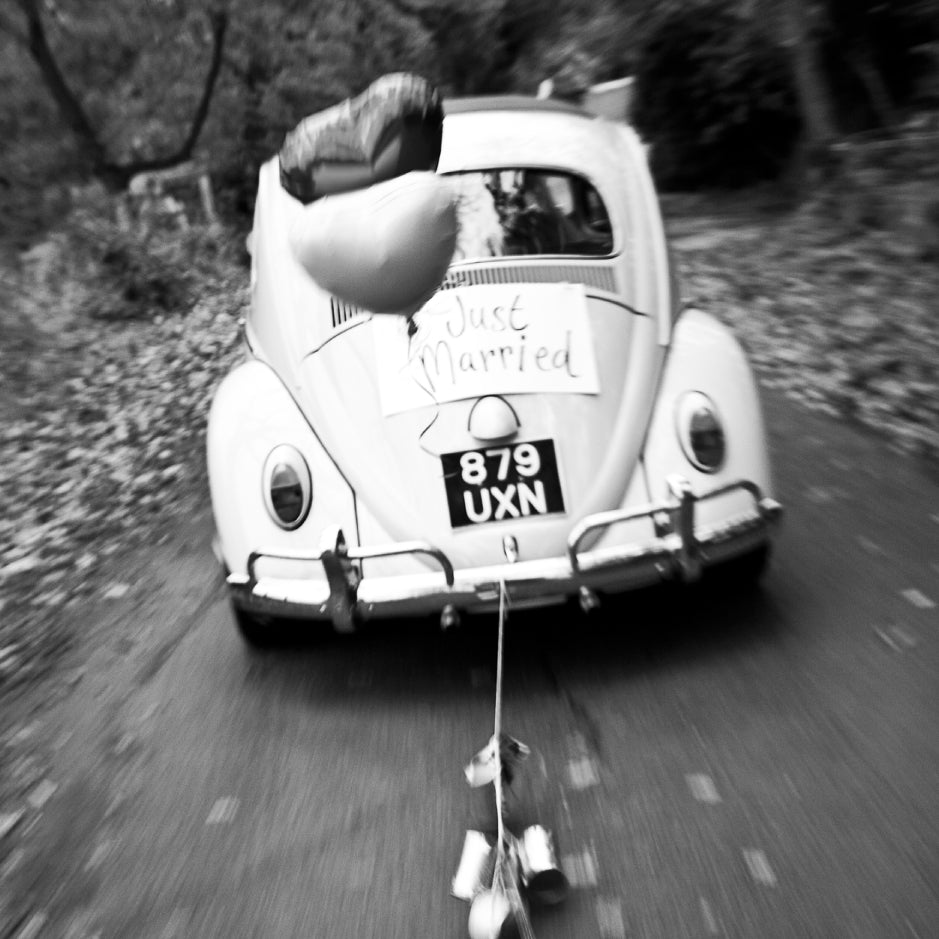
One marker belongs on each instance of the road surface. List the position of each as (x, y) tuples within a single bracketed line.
[(712, 765)]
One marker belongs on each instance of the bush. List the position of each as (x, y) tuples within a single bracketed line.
[(139, 258), (713, 98), (111, 257)]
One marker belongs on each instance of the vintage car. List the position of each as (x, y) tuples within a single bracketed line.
[(550, 422)]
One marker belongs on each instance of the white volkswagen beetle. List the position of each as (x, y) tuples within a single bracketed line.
[(549, 419)]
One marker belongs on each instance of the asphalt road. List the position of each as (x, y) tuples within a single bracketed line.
[(711, 764)]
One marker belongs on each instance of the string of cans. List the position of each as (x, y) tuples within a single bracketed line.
[(499, 876)]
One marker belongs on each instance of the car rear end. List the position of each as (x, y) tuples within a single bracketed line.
[(515, 429)]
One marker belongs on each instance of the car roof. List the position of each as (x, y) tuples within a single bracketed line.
[(511, 103)]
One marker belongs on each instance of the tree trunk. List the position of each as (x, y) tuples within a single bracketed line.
[(815, 102), (69, 105)]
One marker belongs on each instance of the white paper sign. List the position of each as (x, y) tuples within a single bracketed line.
[(487, 339)]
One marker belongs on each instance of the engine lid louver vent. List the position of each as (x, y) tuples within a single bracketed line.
[(342, 312), (599, 276)]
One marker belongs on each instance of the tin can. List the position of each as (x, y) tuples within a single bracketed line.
[(475, 870), (542, 875)]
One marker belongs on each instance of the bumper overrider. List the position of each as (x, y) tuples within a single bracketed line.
[(679, 551)]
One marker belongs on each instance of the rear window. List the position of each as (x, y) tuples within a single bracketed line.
[(512, 212)]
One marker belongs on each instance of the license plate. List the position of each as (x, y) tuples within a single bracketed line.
[(497, 484)]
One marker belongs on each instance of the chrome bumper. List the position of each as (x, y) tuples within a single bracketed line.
[(679, 550)]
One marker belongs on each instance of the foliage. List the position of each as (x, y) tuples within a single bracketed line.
[(141, 256), (136, 70), (120, 257), (104, 40), (877, 56), (576, 44), (713, 97), (288, 60), (33, 151)]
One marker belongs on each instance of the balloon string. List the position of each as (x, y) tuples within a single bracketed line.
[(412, 331)]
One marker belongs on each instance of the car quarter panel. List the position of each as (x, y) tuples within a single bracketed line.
[(705, 356), (290, 313), (251, 414)]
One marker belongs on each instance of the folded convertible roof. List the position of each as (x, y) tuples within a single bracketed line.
[(511, 103)]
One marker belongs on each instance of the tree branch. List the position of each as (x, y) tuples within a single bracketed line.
[(219, 19), (816, 106), (113, 175)]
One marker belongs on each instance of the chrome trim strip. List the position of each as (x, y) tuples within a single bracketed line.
[(406, 547), (356, 554), (681, 516), (342, 576)]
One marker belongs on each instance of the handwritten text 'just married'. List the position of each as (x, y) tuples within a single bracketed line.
[(465, 340)]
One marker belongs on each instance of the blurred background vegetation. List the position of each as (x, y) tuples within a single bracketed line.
[(728, 92)]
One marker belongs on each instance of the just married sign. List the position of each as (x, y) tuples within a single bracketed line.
[(487, 339)]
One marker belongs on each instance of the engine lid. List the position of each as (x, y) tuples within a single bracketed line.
[(505, 409)]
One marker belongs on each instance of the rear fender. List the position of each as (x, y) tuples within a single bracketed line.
[(705, 356), (252, 413)]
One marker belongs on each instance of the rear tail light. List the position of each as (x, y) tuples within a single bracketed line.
[(701, 432), (288, 487)]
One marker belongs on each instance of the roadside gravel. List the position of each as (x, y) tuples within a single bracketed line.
[(842, 322), (103, 441)]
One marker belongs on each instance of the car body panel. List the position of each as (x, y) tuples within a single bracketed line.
[(705, 356), (394, 462), (251, 414), (609, 155), (380, 539)]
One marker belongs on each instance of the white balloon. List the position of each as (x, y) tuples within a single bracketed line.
[(385, 248)]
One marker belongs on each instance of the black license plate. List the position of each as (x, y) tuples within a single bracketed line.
[(497, 484)]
